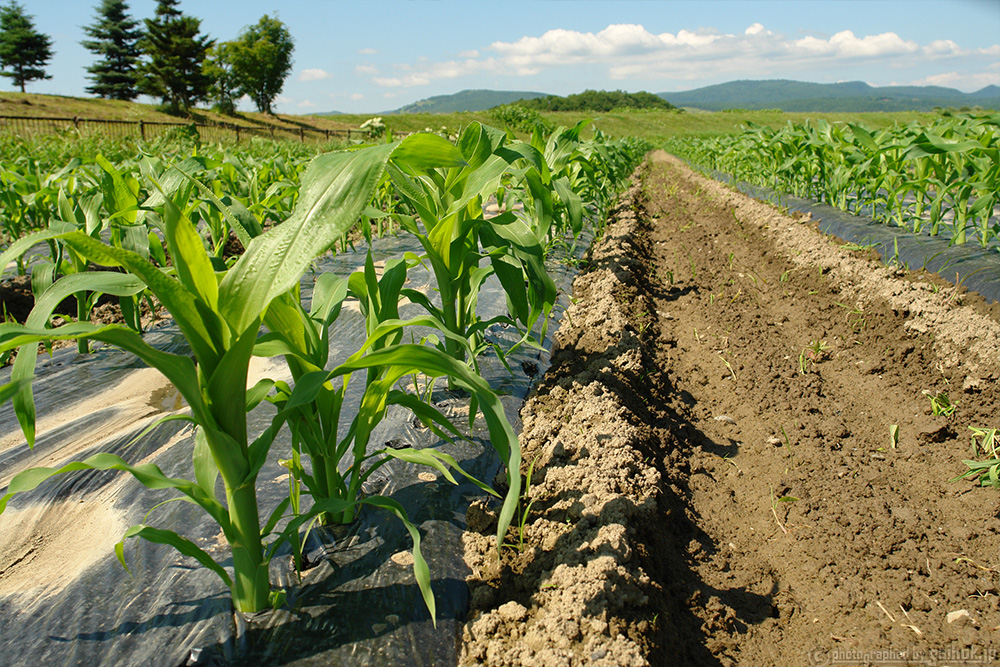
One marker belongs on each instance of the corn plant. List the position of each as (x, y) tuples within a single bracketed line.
[(220, 313), (456, 238), (339, 461), (933, 178), (985, 443)]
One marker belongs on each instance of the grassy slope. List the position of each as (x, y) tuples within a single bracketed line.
[(654, 126)]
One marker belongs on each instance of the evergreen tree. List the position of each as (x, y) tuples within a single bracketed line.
[(175, 71), (23, 50), (115, 39), (261, 58)]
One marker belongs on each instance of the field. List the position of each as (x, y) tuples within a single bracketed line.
[(717, 477), (654, 126), (745, 444)]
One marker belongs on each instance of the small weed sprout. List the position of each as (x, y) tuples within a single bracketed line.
[(728, 365), (524, 507), (788, 446), (813, 353), (774, 508), (855, 317)]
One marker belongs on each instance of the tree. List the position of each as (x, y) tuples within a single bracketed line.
[(175, 71), (261, 57), (225, 88), (115, 39), (23, 50)]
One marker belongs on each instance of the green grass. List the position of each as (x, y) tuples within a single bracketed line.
[(651, 125)]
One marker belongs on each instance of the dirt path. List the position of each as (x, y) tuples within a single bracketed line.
[(716, 483)]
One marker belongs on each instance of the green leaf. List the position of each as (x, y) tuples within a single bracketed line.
[(334, 191), (424, 151), (181, 544)]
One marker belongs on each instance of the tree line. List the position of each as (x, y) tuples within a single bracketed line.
[(601, 101), (166, 57)]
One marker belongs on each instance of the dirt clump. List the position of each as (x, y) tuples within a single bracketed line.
[(578, 592)]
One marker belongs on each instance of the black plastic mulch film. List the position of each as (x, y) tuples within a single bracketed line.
[(357, 605)]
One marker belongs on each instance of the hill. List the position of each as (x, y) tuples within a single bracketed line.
[(851, 96), (467, 100)]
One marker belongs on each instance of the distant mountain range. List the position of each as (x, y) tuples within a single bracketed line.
[(467, 100), (852, 96)]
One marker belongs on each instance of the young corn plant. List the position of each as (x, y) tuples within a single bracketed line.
[(339, 461), (219, 313), (985, 443), (457, 238)]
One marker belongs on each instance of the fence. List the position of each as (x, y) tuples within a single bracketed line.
[(33, 125)]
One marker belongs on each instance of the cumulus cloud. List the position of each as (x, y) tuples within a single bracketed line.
[(366, 69), (313, 75), (630, 51), (969, 82), (305, 104), (357, 96), (943, 47), (367, 52)]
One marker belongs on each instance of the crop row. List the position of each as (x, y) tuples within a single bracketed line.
[(941, 177), (160, 228)]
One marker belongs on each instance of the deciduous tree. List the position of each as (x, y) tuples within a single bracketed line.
[(225, 87), (261, 57)]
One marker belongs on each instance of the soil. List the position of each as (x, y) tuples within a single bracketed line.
[(715, 481)]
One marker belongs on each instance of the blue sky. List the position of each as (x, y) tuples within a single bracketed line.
[(377, 55)]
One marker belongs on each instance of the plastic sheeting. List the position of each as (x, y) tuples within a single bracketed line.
[(976, 268), (66, 599)]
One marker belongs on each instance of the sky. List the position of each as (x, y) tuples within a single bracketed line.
[(378, 55)]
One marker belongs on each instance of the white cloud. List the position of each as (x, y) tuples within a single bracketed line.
[(305, 104), (313, 75), (969, 82), (366, 69), (943, 47), (367, 52), (357, 96), (630, 51)]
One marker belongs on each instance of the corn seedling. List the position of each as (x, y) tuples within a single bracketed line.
[(940, 404), (985, 443), (456, 238)]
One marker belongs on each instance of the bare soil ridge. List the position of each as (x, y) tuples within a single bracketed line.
[(715, 480)]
